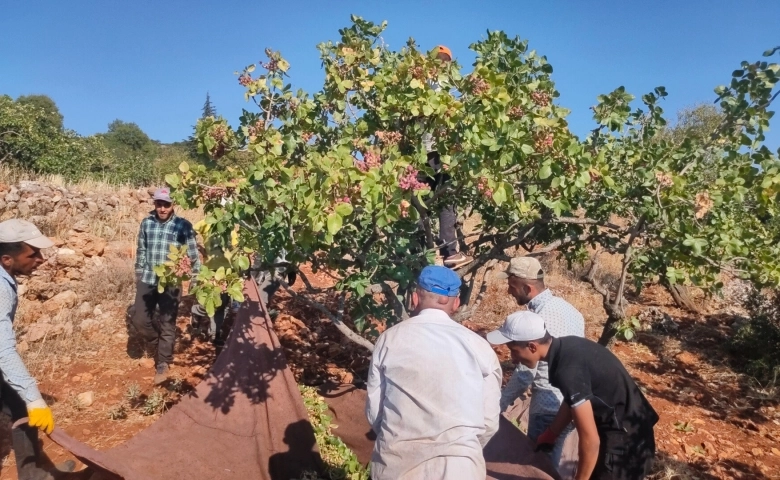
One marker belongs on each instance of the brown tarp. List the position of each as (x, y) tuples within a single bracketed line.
[(246, 419), (509, 455)]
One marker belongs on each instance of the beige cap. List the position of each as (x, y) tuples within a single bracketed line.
[(527, 268), (17, 230)]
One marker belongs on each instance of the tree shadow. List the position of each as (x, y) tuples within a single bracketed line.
[(713, 384), (251, 359)]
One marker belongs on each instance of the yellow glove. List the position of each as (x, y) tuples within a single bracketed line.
[(40, 416)]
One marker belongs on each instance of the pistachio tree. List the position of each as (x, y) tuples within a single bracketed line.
[(337, 177)]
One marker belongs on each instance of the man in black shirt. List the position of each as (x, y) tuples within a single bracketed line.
[(613, 418)]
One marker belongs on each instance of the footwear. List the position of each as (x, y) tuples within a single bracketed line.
[(218, 342), (161, 375), (458, 260)]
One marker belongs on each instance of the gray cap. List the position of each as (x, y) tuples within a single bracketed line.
[(163, 194), (18, 230), (527, 268)]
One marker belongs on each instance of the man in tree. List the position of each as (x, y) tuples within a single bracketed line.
[(448, 216), (613, 418), (433, 390), (525, 279), (20, 253), (158, 232)]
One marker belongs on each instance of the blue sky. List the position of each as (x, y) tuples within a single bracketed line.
[(151, 62)]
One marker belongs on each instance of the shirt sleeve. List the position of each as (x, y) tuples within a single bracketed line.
[(140, 251), (491, 396), (574, 384), (517, 385), (375, 387), (14, 372)]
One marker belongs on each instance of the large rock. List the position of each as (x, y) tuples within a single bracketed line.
[(69, 259), (86, 244), (66, 299)]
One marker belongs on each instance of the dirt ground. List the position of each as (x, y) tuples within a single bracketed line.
[(715, 423)]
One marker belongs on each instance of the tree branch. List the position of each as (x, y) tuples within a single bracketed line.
[(336, 320)]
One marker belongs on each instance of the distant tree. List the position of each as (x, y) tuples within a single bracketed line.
[(208, 108), (127, 137), (51, 116)]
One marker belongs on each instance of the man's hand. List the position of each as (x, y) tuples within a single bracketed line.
[(39, 416), (546, 441)]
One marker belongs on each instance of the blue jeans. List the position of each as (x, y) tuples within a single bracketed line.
[(537, 424)]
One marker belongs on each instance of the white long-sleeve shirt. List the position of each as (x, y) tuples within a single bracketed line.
[(433, 400)]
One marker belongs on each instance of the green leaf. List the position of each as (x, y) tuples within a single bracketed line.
[(527, 149), (334, 223), (628, 334), (344, 209), (545, 171), (499, 195), (184, 167)]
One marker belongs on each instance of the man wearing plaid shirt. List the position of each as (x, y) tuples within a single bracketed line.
[(161, 229)]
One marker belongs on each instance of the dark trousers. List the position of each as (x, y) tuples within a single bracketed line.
[(24, 438), (448, 215), (625, 457), (159, 332)]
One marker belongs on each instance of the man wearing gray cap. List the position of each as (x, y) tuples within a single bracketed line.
[(20, 253), (161, 229), (525, 279)]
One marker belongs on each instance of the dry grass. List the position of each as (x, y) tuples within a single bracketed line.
[(93, 184)]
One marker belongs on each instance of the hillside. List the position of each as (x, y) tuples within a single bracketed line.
[(72, 333)]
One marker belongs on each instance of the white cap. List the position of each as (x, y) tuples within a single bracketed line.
[(522, 326), (17, 230)]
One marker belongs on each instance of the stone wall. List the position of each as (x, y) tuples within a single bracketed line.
[(88, 276)]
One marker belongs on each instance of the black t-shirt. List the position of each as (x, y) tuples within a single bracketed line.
[(584, 370)]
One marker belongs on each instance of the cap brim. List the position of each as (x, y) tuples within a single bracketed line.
[(497, 338), (501, 275), (39, 242)]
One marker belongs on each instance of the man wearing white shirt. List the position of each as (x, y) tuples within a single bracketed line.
[(433, 390), (525, 280)]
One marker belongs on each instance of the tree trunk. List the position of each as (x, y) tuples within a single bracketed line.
[(682, 297), (607, 337)]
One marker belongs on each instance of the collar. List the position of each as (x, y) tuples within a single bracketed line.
[(539, 300), (432, 314), (7, 277)]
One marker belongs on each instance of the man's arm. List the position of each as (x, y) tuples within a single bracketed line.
[(491, 397), (375, 388), (517, 385), (140, 251), (589, 439), (14, 372)]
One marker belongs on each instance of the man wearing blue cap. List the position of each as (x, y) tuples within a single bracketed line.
[(433, 390)]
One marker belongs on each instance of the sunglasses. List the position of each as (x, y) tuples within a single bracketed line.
[(160, 203)]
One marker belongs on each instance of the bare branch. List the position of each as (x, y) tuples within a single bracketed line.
[(336, 320)]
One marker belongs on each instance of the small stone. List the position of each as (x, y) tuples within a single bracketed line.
[(757, 452), (85, 308), (87, 377), (37, 331), (97, 311), (92, 206), (86, 399), (66, 299), (22, 346), (775, 452), (86, 432), (146, 362)]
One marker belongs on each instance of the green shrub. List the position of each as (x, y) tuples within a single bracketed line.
[(757, 342)]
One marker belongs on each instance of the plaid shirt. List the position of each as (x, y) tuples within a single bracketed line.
[(154, 241)]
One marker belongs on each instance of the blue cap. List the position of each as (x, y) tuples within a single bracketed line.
[(439, 280)]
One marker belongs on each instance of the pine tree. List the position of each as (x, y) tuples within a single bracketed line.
[(208, 108)]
